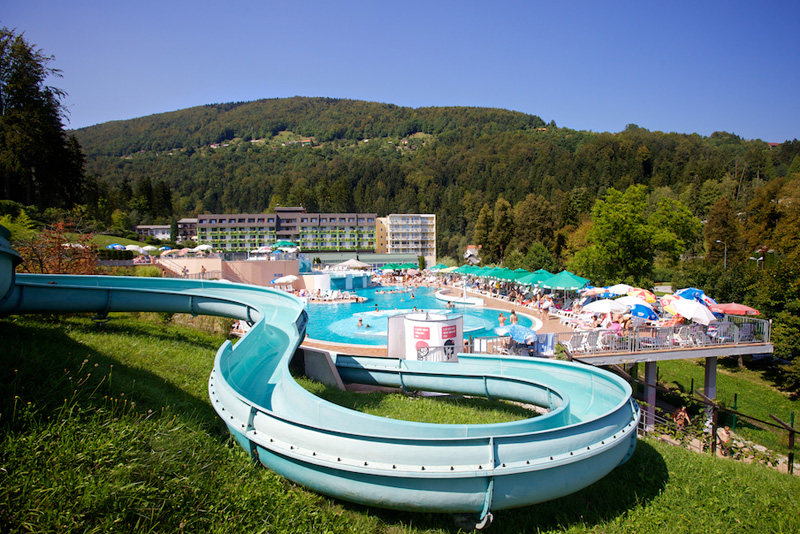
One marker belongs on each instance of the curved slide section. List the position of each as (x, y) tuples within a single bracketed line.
[(589, 428)]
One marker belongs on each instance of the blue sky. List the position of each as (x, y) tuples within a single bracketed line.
[(671, 66)]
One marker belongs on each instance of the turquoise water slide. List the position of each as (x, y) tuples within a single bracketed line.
[(588, 429)]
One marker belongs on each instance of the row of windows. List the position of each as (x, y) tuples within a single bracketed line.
[(284, 221)]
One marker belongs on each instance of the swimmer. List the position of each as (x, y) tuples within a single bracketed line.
[(367, 326), (360, 323)]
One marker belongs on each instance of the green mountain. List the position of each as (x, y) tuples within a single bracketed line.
[(335, 155)]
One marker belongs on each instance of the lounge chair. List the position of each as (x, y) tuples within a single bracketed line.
[(746, 334)]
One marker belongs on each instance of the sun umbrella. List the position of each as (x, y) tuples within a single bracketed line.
[(288, 279), (352, 263), (629, 300), (644, 312), (620, 289), (115, 246), (733, 308), (518, 333), (605, 306), (284, 244), (666, 303), (691, 309), (643, 294), (149, 248), (134, 248), (199, 248), (165, 248), (595, 292)]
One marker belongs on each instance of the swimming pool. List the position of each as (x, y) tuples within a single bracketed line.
[(338, 323)]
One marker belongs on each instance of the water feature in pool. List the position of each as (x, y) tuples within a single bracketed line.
[(339, 322)]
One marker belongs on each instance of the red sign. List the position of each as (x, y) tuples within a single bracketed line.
[(422, 332), (449, 331)]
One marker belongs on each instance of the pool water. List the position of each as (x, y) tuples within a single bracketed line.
[(338, 323)]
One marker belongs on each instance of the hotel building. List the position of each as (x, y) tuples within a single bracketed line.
[(407, 234), (311, 231)]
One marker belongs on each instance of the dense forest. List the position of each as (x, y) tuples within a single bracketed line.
[(372, 157), (342, 155)]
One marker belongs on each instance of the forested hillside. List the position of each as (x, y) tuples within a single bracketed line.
[(371, 157)]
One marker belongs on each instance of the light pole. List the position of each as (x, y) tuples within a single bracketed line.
[(757, 260), (725, 256)]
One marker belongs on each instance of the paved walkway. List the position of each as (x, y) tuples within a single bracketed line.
[(549, 326)]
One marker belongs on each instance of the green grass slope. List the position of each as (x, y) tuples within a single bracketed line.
[(108, 427)]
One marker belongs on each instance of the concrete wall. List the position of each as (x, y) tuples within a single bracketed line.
[(194, 265), (261, 273)]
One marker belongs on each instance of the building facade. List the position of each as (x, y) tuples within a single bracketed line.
[(157, 231), (311, 231), (407, 233), (187, 229)]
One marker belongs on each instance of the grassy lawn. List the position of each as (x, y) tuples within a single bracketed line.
[(110, 428), (444, 409)]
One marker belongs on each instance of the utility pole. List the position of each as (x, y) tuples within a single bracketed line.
[(725, 255)]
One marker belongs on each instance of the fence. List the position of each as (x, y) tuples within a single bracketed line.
[(712, 414), (730, 331)]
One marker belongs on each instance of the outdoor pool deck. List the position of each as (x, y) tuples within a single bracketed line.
[(549, 326), (648, 345), (645, 345)]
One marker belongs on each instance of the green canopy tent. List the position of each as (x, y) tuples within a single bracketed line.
[(565, 281), (284, 244), (535, 278)]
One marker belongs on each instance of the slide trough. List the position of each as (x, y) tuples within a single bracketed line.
[(588, 430)]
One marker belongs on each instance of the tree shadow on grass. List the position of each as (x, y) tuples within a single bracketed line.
[(41, 364), (767, 368)]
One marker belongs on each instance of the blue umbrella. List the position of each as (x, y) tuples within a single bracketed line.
[(691, 293), (637, 310), (165, 248), (518, 333)]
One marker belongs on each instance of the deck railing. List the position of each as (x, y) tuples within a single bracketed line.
[(732, 330)]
